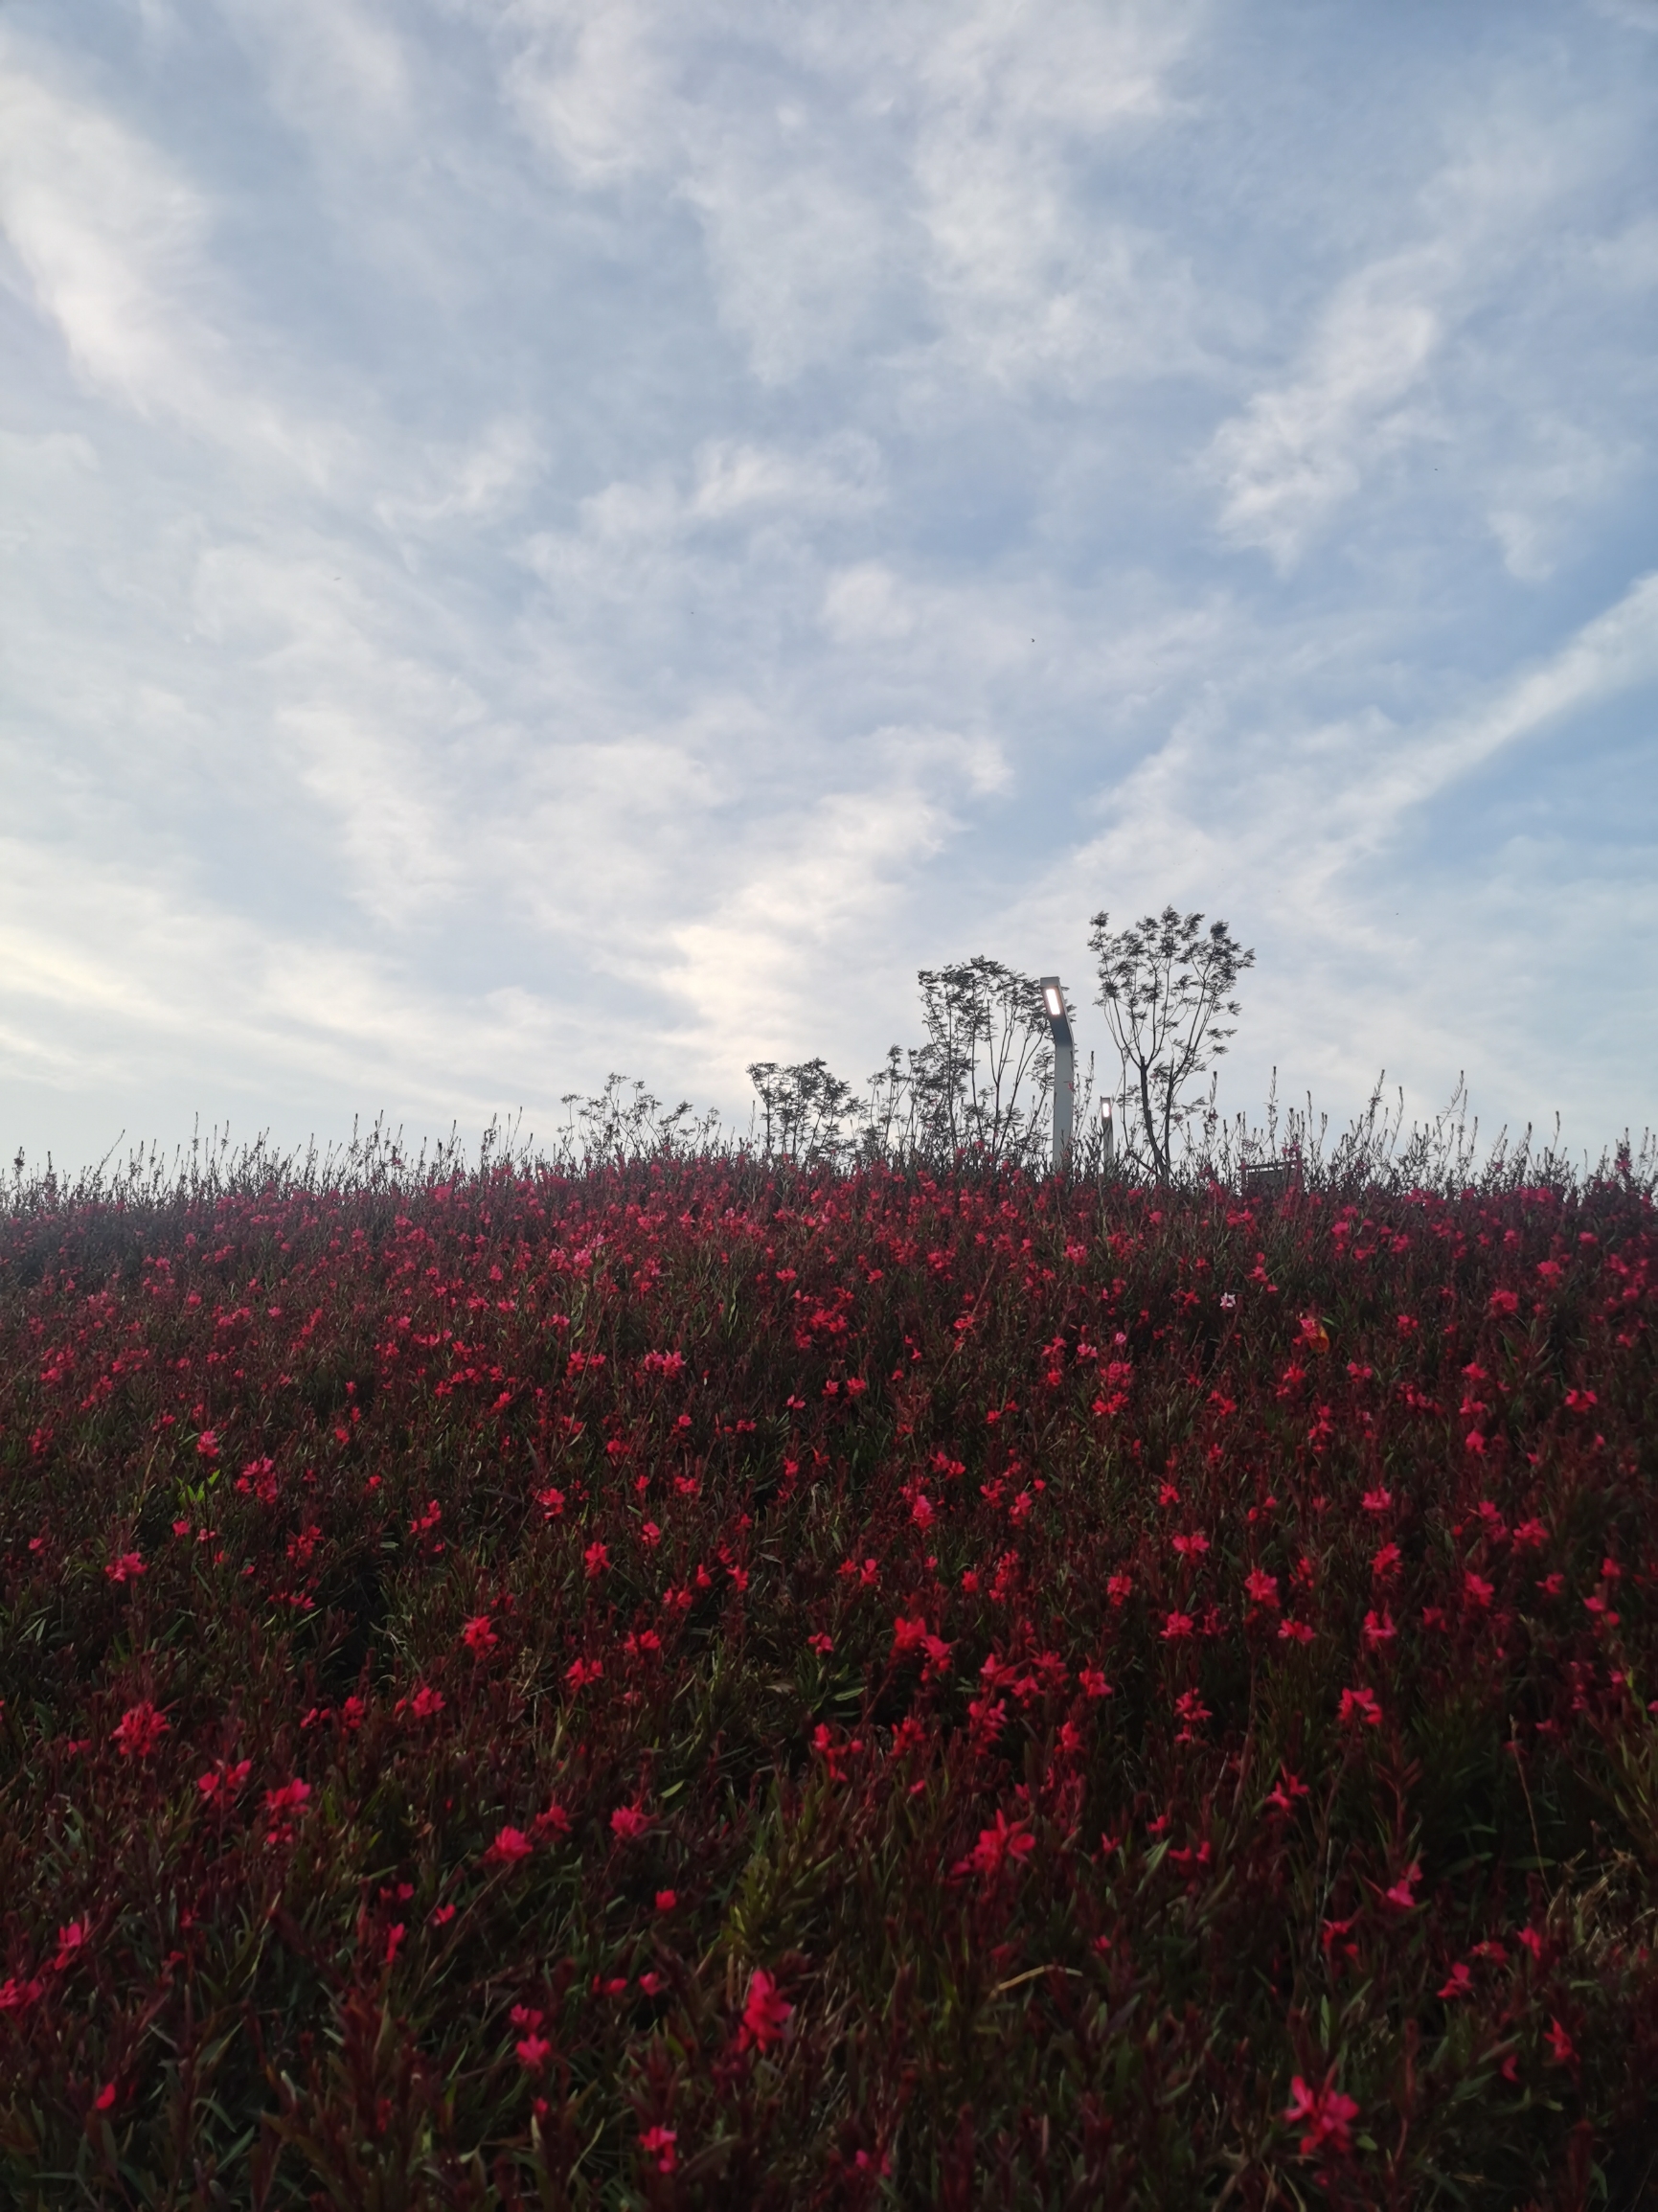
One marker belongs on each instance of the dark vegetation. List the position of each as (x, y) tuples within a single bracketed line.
[(699, 1683)]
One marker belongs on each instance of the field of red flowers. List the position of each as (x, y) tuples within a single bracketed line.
[(696, 1684)]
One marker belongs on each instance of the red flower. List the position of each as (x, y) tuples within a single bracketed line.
[(628, 1823), (1262, 1587), (598, 1559), (426, 1703), (478, 1635), (139, 1730), (1559, 2043), (510, 1844), (1461, 1984), (223, 1782), (1176, 1625), (1328, 2113), (666, 1900), (997, 1847), (765, 2015), (1400, 1892), (658, 2143), (125, 1568), (70, 1940), (1359, 1705), (533, 2052)]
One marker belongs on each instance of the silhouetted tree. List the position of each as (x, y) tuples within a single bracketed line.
[(1163, 983)]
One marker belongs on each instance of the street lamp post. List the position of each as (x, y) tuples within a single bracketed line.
[(1064, 1070)]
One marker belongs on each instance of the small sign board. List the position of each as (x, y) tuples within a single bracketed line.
[(1269, 1179)]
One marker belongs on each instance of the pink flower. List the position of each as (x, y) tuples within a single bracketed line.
[(658, 2143), (580, 1671), (1461, 1984), (139, 1730), (666, 1900), (478, 1635), (1479, 1591), (765, 2015), (1378, 1501), (628, 1823), (1328, 2113), (105, 2098), (206, 1443), (598, 1559), (1377, 1633), (510, 1844), (1559, 2043), (1262, 1587), (126, 1568), (1176, 1625), (1295, 1633), (1094, 1683), (533, 2052), (426, 1703)]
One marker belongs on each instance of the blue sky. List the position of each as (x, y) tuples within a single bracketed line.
[(541, 537)]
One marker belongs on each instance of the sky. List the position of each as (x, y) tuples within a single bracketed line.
[(540, 538)]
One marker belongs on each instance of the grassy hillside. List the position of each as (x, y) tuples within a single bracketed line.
[(695, 1685)]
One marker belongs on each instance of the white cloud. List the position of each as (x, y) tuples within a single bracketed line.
[(333, 67), (113, 240), (586, 80), (866, 602), (1298, 451)]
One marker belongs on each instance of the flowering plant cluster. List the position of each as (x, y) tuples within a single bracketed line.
[(698, 1683)]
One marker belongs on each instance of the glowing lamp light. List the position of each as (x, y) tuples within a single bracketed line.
[(1055, 1000)]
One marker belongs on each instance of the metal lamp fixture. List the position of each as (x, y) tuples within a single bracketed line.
[(1064, 1068)]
